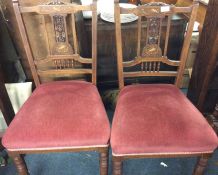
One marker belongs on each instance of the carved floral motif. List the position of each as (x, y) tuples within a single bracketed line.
[(62, 46), (152, 48), (59, 27)]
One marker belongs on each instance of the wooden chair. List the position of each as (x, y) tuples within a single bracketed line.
[(60, 116), (157, 120)]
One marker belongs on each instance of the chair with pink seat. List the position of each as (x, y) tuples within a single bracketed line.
[(60, 116), (157, 120)]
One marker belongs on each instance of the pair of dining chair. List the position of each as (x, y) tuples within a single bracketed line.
[(69, 116)]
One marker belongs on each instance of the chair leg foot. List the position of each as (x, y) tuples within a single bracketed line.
[(104, 162), (20, 164), (201, 165), (117, 167)]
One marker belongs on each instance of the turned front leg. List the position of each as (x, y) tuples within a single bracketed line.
[(20, 164), (201, 165), (117, 167), (104, 162)]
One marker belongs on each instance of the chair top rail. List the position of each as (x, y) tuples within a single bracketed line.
[(145, 10), (65, 8)]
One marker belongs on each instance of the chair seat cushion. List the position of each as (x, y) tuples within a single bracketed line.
[(159, 119), (60, 115)]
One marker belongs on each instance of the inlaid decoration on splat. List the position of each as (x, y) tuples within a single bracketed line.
[(151, 50), (62, 49), (62, 46), (154, 25), (60, 33), (152, 47)]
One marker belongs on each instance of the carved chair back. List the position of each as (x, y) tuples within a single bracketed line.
[(63, 57), (151, 54)]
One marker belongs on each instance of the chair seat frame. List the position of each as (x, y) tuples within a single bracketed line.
[(17, 156), (198, 170)]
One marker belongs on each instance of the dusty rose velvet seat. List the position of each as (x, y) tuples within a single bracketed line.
[(60, 115), (159, 119)]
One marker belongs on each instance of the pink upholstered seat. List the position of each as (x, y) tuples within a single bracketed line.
[(159, 119), (60, 114)]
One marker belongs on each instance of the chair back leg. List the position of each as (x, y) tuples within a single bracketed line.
[(201, 165), (19, 164)]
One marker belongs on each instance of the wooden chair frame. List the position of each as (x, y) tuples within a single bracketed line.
[(61, 62), (152, 61), (64, 57), (150, 11)]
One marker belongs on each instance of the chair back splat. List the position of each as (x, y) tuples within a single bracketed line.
[(63, 57), (151, 54)]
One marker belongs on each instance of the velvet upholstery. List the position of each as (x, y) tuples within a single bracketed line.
[(158, 119), (60, 114)]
